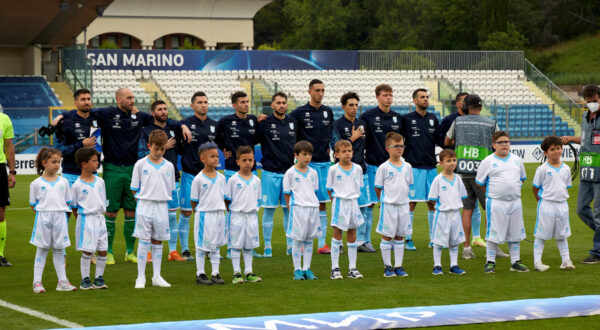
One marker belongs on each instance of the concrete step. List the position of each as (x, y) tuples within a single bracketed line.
[(151, 88), (564, 115), (63, 92)]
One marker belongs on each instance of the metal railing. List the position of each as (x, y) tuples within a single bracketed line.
[(76, 68), (440, 60)]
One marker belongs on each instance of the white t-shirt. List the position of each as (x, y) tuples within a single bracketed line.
[(50, 196), (89, 198), (503, 177), (208, 193), (553, 182), (447, 194), (244, 195), (394, 182), (345, 184), (301, 187), (153, 182)]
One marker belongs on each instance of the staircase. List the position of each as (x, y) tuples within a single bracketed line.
[(564, 115), (64, 93), (150, 87)]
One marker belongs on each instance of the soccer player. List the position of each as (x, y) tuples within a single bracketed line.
[(152, 184), (379, 121), (203, 129), (501, 175), (550, 188), (210, 232), (315, 124), (7, 154), (89, 205), (392, 184), (159, 111), (300, 184), (49, 197), (344, 184), (277, 136), (447, 232), (352, 129), (421, 134), (242, 199)]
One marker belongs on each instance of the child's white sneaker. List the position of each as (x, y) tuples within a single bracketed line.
[(567, 265), (64, 285), (38, 288), (540, 267), (140, 283), (160, 282)]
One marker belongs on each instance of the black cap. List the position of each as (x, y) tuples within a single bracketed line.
[(473, 99)]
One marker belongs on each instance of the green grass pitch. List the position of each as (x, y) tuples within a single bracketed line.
[(278, 293)]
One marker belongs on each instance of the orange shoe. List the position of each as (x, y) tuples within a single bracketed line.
[(174, 256), (324, 250), (149, 257)]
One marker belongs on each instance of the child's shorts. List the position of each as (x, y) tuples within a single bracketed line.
[(394, 220), (152, 220), (304, 224), (346, 214), (504, 221), (90, 233), (210, 232), (50, 230), (448, 229), (243, 230), (552, 220)]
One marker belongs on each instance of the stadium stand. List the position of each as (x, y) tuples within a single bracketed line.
[(106, 82)]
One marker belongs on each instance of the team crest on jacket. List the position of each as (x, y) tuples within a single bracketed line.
[(133, 117), (325, 114), (251, 122), (212, 129), (95, 123), (291, 125), (430, 122), (395, 119), (172, 133)]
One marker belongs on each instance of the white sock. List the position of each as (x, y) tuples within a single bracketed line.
[(453, 251), (490, 250), (297, 254), (39, 264), (386, 252), (199, 262), (85, 265), (157, 250), (398, 253), (352, 251), (437, 255), (142, 255), (215, 261), (515, 251), (538, 249), (563, 249), (235, 260), (247, 261), (58, 258), (335, 253), (100, 265), (308, 252)]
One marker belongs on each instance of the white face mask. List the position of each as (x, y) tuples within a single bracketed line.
[(593, 106)]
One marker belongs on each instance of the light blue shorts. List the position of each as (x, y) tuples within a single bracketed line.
[(322, 169), (272, 189), (174, 202), (422, 179), (363, 199), (371, 171), (185, 189), (71, 178)]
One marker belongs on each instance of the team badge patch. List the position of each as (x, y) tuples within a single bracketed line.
[(291, 125), (133, 116), (212, 129), (430, 122), (251, 122), (95, 123), (172, 133), (395, 119), (324, 114)]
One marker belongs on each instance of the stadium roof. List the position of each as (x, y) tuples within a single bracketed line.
[(29, 22)]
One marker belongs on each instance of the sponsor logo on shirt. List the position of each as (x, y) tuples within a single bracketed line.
[(84, 191), (145, 172), (444, 188)]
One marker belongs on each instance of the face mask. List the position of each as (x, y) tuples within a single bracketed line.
[(593, 106)]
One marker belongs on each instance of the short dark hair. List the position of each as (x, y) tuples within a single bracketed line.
[(281, 94), (158, 137), (447, 153), (417, 92), (207, 146), (393, 136), (590, 91), (549, 141), (342, 144), (83, 155), (382, 88), (81, 91), (305, 146), (235, 96), (243, 150), (198, 94), (459, 95), (347, 96), (499, 134), (156, 103), (314, 82)]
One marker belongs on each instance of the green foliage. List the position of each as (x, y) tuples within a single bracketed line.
[(274, 46), (108, 44), (511, 39), (189, 45)]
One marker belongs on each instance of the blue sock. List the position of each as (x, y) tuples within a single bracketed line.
[(323, 216), (430, 215), (267, 225), (174, 230), (369, 220), (476, 222), (184, 231), (361, 231), (412, 215), (286, 221)]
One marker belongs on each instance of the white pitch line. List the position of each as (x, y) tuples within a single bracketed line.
[(18, 208), (40, 315)]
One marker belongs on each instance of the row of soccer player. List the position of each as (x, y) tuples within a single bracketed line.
[(153, 184)]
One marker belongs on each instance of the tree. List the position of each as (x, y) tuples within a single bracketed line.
[(509, 40)]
